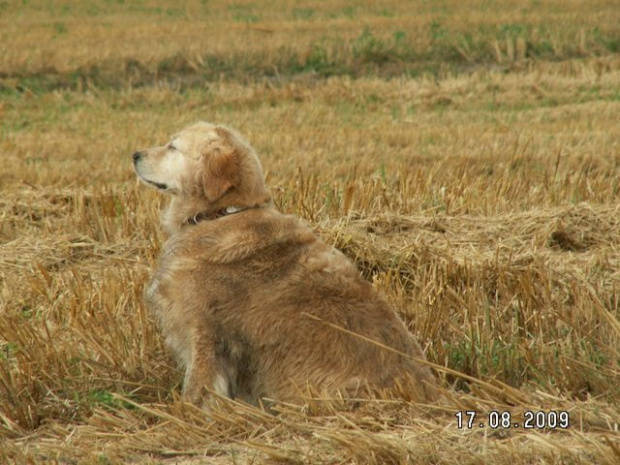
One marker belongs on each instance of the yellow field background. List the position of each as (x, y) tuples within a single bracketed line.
[(465, 154)]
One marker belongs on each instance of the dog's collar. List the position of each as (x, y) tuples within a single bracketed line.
[(214, 215)]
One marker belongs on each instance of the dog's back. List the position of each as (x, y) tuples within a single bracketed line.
[(283, 311)]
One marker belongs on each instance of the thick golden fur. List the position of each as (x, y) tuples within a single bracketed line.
[(252, 303)]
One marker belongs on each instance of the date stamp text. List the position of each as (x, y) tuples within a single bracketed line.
[(494, 419)]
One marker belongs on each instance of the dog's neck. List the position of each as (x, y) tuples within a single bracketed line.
[(183, 212), (213, 215)]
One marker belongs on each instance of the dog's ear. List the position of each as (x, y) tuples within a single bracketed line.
[(221, 168)]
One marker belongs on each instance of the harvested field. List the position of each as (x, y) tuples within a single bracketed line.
[(465, 155)]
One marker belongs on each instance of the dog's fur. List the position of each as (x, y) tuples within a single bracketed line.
[(252, 303)]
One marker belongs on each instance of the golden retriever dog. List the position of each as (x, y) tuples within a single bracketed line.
[(252, 303)]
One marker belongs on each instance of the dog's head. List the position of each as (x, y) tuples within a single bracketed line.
[(205, 167)]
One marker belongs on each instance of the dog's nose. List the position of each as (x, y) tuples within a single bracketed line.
[(136, 156)]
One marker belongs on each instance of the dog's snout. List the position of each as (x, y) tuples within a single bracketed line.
[(136, 156)]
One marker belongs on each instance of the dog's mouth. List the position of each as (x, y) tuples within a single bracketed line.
[(158, 185)]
